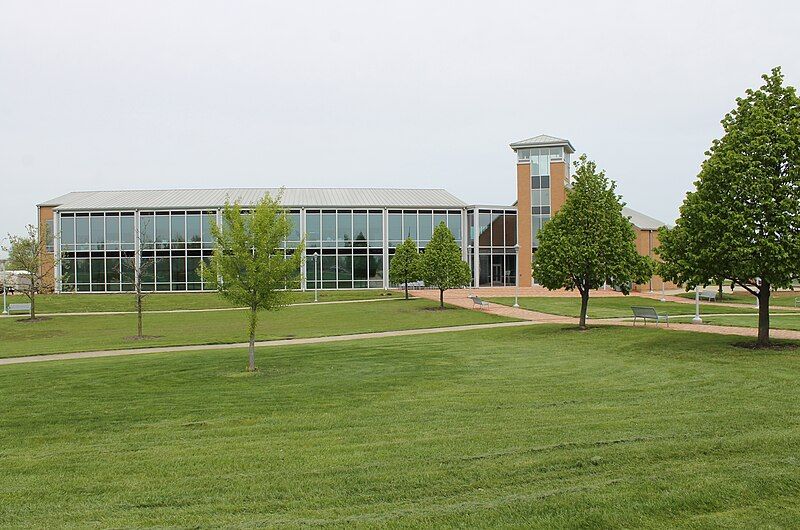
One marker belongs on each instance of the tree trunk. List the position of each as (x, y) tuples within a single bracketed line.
[(33, 305), (139, 315), (720, 291), (441, 298), (584, 308), (251, 361), (763, 315), (406, 290)]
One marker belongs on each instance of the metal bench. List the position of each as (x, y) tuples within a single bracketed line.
[(648, 313), (711, 296), (476, 301), (19, 307)]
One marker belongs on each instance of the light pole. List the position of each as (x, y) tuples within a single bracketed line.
[(316, 277), (5, 306), (663, 296), (516, 282), (697, 319)]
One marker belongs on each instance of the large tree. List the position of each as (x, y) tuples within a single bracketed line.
[(441, 266), (589, 242), (28, 253), (742, 221), (250, 265), (404, 266)]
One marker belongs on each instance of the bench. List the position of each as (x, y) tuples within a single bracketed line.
[(476, 301), (711, 296), (648, 313), (19, 307)]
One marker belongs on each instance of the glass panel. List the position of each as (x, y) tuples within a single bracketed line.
[(376, 228), (410, 225), (360, 229), (534, 166), (162, 270), (312, 226), (360, 268), (146, 227), (524, 154), (68, 231), (162, 231), (328, 271), (375, 267), (112, 270), (395, 229), (485, 262), (328, 229), (455, 225), (497, 230), (112, 233), (511, 269), (345, 270), (208, 237), (126, 231), (294, 219), (128, 274), (484, 225), (510, 230), (82, 232), (67, 273), (438, 218), (98, 232), (178, 269), (193, 230), (193, 269), (98, 274), (82, 270), (545, 198), (345, 228), (425, 226), (178, 230), (544, 163)]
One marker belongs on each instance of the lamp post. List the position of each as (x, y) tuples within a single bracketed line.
[(697, 319), (663, 296), (516, 282), (316, 277), (5, 306)]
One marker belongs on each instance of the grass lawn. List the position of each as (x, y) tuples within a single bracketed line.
[(611, 306), (779, 299), (526, 427), (88, 302), (93, 332), (775, 321)]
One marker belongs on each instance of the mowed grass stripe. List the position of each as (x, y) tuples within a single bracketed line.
[(63, 334), (533, 426)]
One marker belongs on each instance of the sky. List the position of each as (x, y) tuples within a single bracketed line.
[(199, 94)]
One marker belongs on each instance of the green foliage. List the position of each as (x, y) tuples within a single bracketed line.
[(404, 267), (26, 253), (589, 242), (742, 222), (441, 265), (249, 266)]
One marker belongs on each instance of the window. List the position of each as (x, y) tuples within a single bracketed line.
[(67, 226), (375, 229), (112, 232), (48, 235)]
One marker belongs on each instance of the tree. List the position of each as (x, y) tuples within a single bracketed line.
[(404, 266), (589, 242), (136, 268), (27, 253), (441, 265), (250, 266), (742, 221)]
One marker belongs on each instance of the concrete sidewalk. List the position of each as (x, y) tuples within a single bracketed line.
[(459, 297), (260, 344)]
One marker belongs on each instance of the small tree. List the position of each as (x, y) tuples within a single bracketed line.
[(27, 253), (742, 222), (249, 266), (589, 242), (404, 266), (441, 265), (135, 269)]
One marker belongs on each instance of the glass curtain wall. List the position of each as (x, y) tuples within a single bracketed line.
[(497, 257)]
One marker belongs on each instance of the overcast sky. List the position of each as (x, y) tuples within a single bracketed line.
[(155, 94)]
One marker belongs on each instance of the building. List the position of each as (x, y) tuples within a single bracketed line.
[(354, 232)]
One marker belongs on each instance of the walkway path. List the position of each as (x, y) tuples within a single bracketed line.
[(206, 310), (260, 344), (460, 298)]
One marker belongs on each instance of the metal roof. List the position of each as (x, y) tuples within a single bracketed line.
[(292, 197), (642, 221), (543, 140)]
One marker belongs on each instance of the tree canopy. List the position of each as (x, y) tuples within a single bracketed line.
[(404, 267), (441, 265), (742, 221), (27, 253), (589, 242), (250, 266)]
